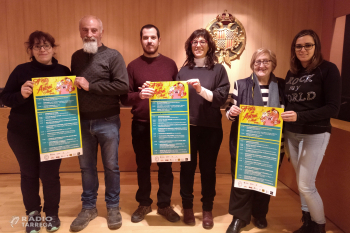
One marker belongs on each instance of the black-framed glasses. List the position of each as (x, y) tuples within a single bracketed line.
[(264, 62), (38, 47), (307, 47), (201, 42)]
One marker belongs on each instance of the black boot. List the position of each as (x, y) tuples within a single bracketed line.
[(308, 224), (319, 228)]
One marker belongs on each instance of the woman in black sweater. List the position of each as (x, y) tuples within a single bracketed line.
[(22, 132), (208, 90), (313, 92)]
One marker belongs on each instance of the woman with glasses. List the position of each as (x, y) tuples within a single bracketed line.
[(262, 88), (208, 90), (22, 132), (313, 91)]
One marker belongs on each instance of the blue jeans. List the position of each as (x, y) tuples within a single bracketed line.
[(306, 153), (105, 132)]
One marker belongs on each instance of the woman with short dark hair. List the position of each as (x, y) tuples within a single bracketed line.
[(22, 132), (208, 90), (313, 92)]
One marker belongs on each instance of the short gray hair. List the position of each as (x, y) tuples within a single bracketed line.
[(260, 51), (94, 17)]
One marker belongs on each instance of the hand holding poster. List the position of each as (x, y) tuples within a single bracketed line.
[(169, 114), (57, 116), (258, 150)]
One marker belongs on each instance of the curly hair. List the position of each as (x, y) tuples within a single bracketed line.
[(316, 60), (36, 37), (211, 57)]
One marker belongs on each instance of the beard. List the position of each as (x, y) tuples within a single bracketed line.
[(150, 52), (90, 45)]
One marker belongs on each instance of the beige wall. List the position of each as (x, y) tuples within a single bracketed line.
[(271, 24)]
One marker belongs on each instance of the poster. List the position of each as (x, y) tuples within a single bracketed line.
[(258, 148), (57, 117), (169, 116)]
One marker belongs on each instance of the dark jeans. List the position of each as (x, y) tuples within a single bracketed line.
[(206, 141), (104, 131), (141, 141), (27, 153)]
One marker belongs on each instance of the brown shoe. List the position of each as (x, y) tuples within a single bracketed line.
[(189, 217), (140, 213), (208, 222), (169, 214)]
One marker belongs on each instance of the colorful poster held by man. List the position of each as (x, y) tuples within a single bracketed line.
[(258, 150), (57, 117), (169, 114)]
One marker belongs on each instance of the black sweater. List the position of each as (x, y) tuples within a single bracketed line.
[(22, 116), (203, 112), (315, 97)]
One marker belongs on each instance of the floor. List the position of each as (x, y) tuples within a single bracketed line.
[(284, 214)]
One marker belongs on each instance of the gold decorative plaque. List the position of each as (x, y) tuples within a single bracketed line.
[(229, 36)]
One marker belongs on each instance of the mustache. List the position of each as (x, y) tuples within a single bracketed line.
[(89, 39)]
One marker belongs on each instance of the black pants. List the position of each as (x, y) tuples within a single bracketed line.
[(206, 141), (244, 202), (141, 141), (27, 154)]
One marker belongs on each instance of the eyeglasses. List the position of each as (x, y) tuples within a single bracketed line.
[(201, 42), (307, 47), (264, 62), (45, 46)]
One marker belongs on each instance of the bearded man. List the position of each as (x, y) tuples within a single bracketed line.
[(101, 78), (151, 66)]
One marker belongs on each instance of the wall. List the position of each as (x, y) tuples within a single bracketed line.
[(335, 9), (271, 24)]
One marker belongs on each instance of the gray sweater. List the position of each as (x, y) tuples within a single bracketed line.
[(107, 76)]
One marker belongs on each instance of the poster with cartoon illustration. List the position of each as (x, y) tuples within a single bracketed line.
[(169, 114), (258, 148), (57, 117)]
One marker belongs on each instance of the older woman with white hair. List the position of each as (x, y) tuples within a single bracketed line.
[(262, 88)]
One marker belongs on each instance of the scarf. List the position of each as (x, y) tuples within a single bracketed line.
[(274, 98)]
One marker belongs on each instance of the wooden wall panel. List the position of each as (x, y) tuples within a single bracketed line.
[(162, 22), (81, 8), (15, 34), (32, 16), (4, 61), (178, 34), (68, 33), (284, 35), (341, 8), (240, 67), (49, 14), (8, 163), (131, 30), (115, 31), (270, 24)]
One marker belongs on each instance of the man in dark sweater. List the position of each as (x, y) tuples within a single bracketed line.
[(101, 78), (151, 66)]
